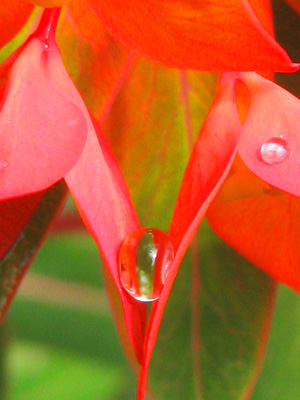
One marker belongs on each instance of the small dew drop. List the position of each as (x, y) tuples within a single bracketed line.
[(3, 166), (144, 259), (274, 151)]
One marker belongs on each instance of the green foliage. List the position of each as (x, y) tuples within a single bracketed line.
[(213, 329), (64, 343)]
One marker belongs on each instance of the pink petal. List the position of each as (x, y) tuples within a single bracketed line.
[(42, 131)]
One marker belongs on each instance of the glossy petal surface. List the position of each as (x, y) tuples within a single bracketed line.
[(273, 117), (183, 33), (42, 132)]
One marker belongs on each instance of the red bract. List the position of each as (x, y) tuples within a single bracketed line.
[(42, 131), (215, 35)]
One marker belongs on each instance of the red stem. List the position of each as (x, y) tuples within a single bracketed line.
[(47, 26)]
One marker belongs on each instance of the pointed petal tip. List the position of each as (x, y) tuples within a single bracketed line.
[(295, 67)]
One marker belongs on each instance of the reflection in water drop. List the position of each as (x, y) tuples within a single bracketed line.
[(274, 151), (144, 258)]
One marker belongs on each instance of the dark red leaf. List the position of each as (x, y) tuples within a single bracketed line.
[(23, 224), (295, 4)]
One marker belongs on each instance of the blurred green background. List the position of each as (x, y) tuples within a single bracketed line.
[(60, 341)]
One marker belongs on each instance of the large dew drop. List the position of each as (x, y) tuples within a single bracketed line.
[(274, 151), (144, 258)]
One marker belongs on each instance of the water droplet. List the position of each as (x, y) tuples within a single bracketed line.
[(274, 151), (3, 166), (144, 259)]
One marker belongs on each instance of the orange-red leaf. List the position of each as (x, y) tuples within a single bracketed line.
[(261, 222), (211, 35)]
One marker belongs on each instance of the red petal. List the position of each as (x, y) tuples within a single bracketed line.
[(274, 114), (210, 161), (103, 200), (218, 35), (13, 15), (42, 132)]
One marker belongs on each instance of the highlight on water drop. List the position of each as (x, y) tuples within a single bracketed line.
[(274, 151), (144, 259)]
